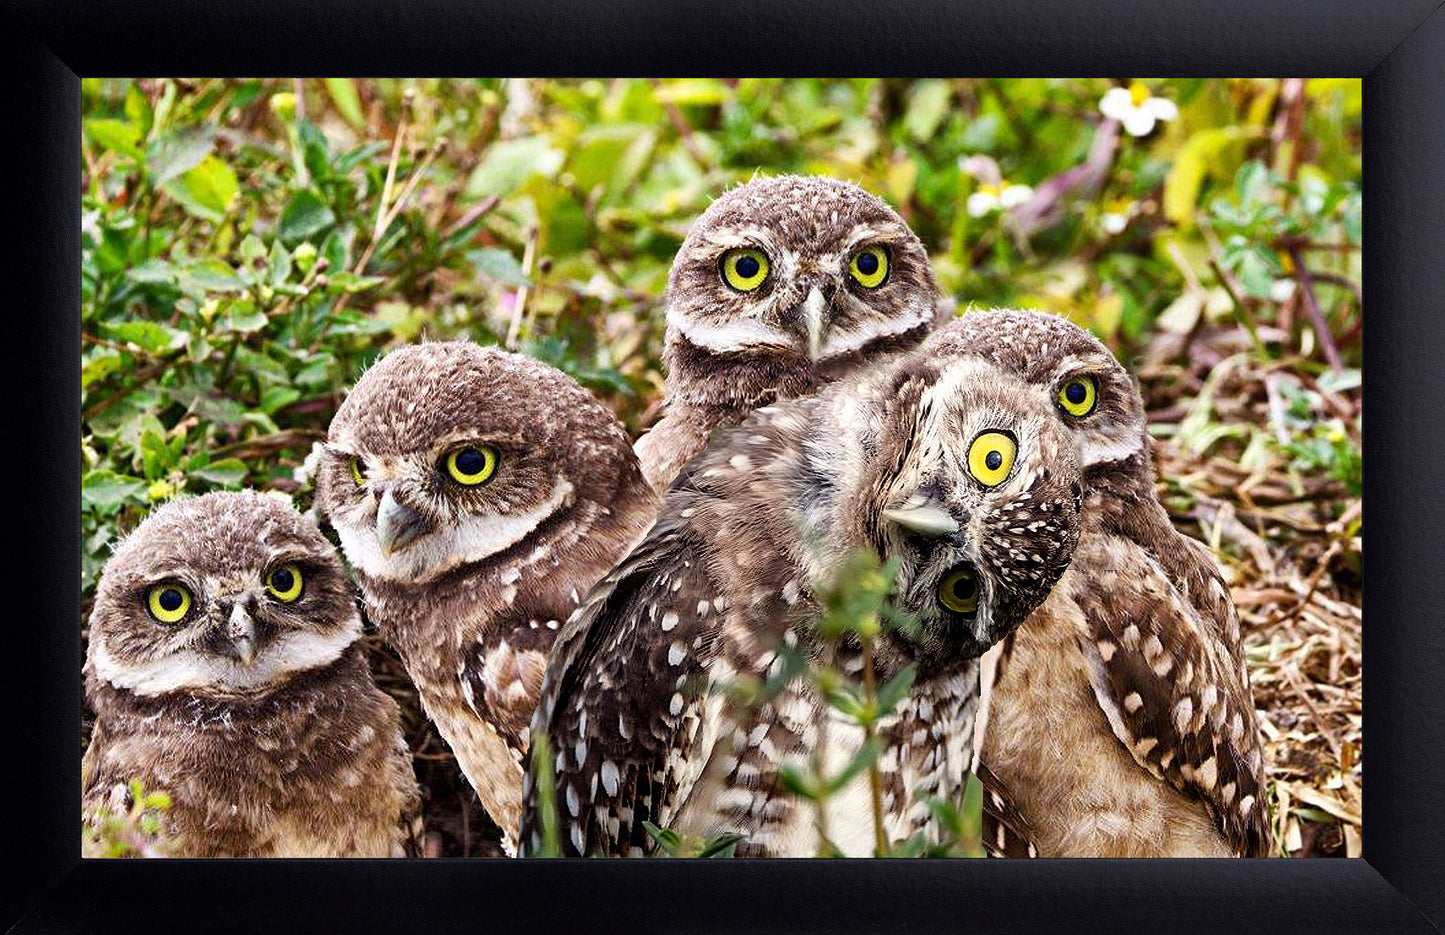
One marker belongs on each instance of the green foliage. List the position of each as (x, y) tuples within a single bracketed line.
[(856, 609), (673, 844), (249, 246), (549, 820), (135, 832)]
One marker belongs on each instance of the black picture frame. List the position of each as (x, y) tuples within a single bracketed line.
[(1398, 47)]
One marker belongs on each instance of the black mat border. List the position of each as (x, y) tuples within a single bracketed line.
[(1398, 47)]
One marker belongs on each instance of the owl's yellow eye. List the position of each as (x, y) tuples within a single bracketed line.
[(958, 591), (1079, 396), (869, 266), (168, 603), (471, 464), (358, 474), (991, 457), (284, 582), (745, 269)]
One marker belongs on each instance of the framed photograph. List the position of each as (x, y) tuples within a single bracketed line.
[(380, 383)]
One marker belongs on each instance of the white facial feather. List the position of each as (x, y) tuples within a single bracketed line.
[(838, 343), (441, 550), (1098, 448), (190, 669), (734, 335)]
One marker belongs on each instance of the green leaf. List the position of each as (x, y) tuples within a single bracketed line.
[(99, 367), (211, 276), (913, 847), (894, 690), (228, 472), (499, 265), (150, 336), (1351, 217), (668, 839), (510, 163), (206, 190), (153, 271), (315, 151), (106, 490), (797, 782), (278, 397), (927, 106), (306, 215), (350, 282), (721, 845), (692, 92), (117, 136), (178, 153), (863, 759), (1205, 152), (138, 109), (278, 264), (1257, 269), (348, 103), (243, 319), (847, 700)]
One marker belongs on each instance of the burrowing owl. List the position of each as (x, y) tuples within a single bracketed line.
[(957, 472), (783, 284), (1119, 716), (479, 494), (224, 669)]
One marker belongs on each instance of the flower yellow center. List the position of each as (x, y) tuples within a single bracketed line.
[(1138, 94)]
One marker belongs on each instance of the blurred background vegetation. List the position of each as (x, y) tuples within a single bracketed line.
[(250, 246)]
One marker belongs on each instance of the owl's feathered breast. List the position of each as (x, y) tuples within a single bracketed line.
[(314, 768)]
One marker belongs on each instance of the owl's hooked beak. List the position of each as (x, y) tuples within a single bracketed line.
[(238, 637), (397, 524), (815, 312), (926, 518)]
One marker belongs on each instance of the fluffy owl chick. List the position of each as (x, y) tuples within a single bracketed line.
[(956, 472), (1118, 717), (479, 494), (224, 668), (783, 284)]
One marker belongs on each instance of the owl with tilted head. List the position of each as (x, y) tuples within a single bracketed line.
[(955, 472), (1135, 658), (478, 494), (224, 668), (782, 285)]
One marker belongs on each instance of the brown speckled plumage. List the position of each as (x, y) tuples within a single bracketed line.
[(1119, 719), (473, 600), (632, 707), (729, 352), (292, 753)]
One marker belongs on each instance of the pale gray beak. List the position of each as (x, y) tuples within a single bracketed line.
[(241, 634), (397, 524), (815, 310), (928, 519)]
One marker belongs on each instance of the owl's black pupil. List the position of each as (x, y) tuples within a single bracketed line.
[(1076, 393), (748, 266), (471, 461), (963, 588), (994, 460), (282, 579), (868, 264), (171, 599)]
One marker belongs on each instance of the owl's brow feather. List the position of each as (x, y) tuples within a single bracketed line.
[(744, 237)]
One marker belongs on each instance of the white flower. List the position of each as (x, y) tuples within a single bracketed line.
[(1136, 108), (1281, 290), (989, 198), (1114, 223)]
